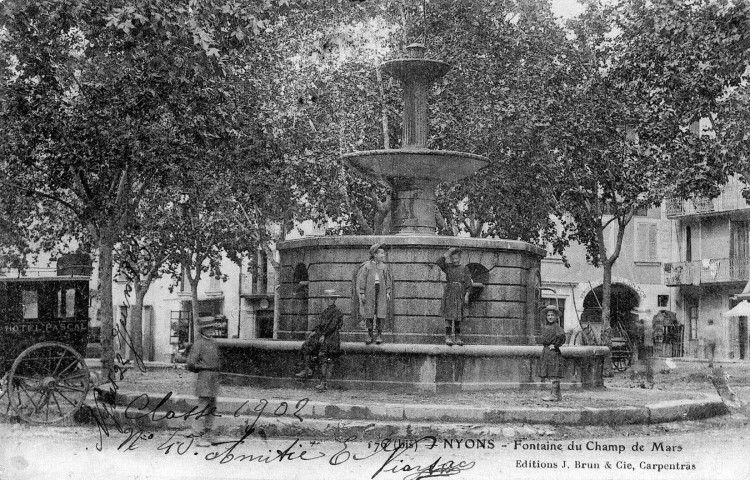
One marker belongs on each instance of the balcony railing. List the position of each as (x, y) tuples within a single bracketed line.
[(730, 199), (707, 271)]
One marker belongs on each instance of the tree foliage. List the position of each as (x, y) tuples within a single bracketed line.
[(227, 118), (100, 99), (648, 70)]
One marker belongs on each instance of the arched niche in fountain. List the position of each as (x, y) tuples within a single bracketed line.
[(480, 274)]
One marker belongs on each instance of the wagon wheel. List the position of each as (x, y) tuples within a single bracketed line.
[(4, 397), (48, 382)]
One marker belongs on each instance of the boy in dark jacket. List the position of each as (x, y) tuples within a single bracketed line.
[(331, 321), (310, 348)]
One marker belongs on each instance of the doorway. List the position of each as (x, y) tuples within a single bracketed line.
[(264, 324), (743, 337), (622, 301)]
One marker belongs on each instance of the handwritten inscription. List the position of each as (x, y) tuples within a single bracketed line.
[(393, 458), (409, 458)]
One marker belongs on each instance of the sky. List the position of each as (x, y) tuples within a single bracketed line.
[(566, 8)]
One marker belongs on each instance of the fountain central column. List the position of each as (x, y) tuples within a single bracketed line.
[(414, 205), (415, 112)]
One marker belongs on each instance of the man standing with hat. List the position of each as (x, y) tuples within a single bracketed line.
[(204, 359), (455, 294), (331, 321), (374, 288), (551, 362), (709, 342)]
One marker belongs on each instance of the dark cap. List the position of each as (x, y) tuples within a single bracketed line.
[(374, 249)]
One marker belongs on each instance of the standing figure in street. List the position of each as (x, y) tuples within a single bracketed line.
[(551, 361), (455, 294), (647, 349), (709, 342), (331, 321), (374, 289), (205, 360)]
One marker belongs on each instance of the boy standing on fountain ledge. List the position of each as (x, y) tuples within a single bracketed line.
[(455, 294), (374, 287)]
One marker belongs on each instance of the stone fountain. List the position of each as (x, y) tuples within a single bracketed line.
[(502, 321)]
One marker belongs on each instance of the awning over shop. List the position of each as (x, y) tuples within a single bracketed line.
[(742, 309)]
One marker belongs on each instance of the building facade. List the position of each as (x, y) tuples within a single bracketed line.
[(243, 303), (709, 267), (638, 290)]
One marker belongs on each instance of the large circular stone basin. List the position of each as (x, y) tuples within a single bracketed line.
[(504, 312), (436, 165)]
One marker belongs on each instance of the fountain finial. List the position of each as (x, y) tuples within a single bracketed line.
[(415, 50)]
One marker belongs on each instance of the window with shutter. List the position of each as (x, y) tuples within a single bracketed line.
[(647, 242), (666, 235), (214, 284), (738, 245), (653, 243)]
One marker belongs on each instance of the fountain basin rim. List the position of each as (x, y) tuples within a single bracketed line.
[(439, 241), (435, 166), (422, 349)]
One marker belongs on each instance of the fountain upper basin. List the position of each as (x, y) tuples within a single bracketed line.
[(417, 163)]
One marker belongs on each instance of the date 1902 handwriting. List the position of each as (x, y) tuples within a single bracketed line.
[(105, 415)]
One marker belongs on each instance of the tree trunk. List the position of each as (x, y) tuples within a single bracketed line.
[(606, 335), (136, 322), (105, 298), (194, 297)]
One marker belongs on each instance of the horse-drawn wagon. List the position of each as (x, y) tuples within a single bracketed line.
[(43, 335)]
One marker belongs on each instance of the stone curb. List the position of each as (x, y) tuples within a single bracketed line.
[(661, 412), (117, 420), (677, 410)]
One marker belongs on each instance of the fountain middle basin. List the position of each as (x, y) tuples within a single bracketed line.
[(422, 163)]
